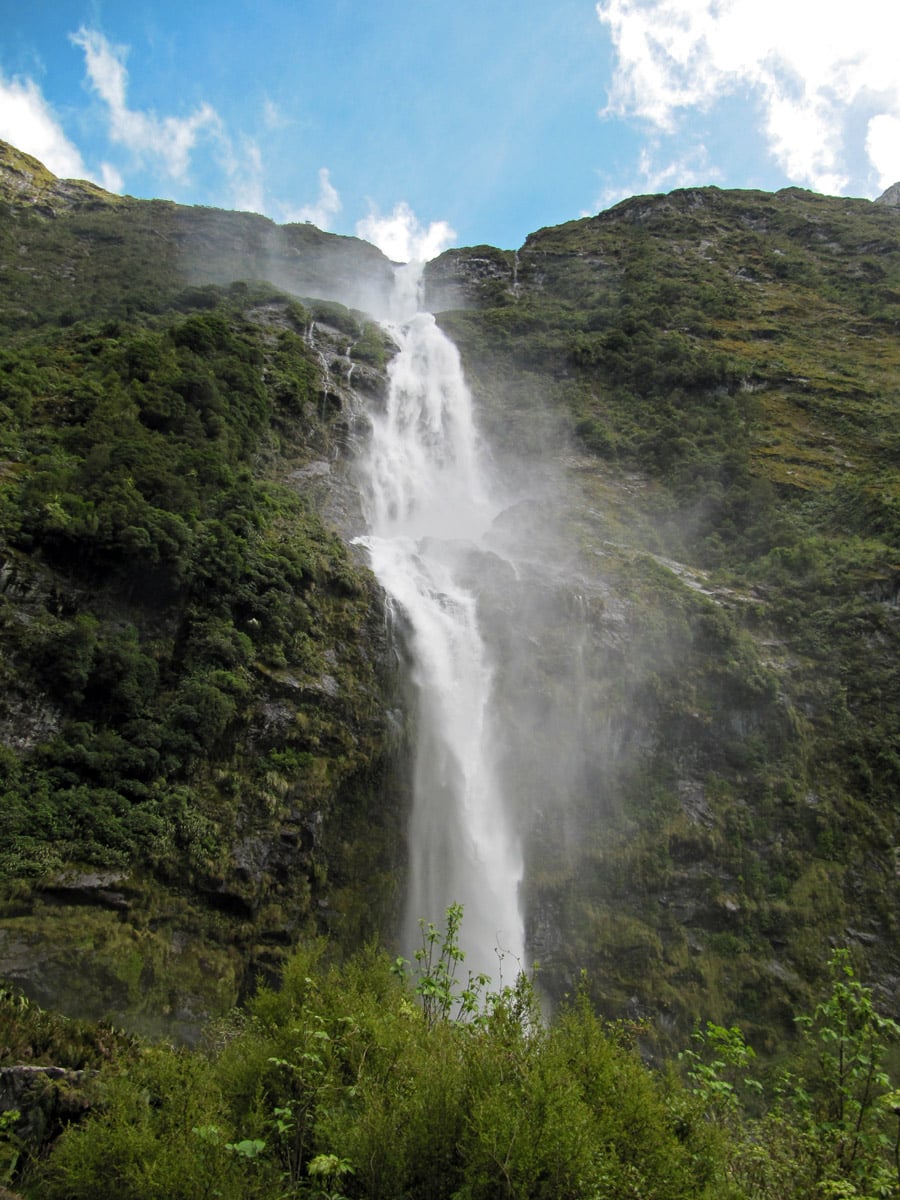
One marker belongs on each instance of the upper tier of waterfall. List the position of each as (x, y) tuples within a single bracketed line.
[(430, 502)]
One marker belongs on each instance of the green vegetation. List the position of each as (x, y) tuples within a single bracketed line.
[(347, 1081), (190, 663), (718, 372), (202, 719), (70, 251), (194, 747), (189, 581), (738, 346)]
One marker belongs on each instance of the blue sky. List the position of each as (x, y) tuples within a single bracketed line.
[(423, 124)]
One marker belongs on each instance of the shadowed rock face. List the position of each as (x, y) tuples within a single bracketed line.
[(42, 1101)]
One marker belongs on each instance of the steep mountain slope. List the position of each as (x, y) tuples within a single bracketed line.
[(196, 682), (70, 250), (203, 727), (720, 375)]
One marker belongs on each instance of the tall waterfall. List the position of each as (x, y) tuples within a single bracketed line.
[(430, 504)]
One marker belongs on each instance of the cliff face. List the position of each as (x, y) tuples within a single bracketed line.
[(709, 766), (203, 720), (68, 249), (196, 724)]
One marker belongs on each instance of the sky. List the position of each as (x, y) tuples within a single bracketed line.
[(422, 124)]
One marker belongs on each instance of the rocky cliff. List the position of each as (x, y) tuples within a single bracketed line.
[(704, 385), (203, 719), (198, 728)]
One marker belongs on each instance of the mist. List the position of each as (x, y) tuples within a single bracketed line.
[(521, 715), (217, 247), (430, 501), (502, 631)]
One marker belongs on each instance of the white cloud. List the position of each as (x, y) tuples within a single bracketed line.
[(28, 123), (170, 140), (110, 178), (689, 169), (883, 148), (402, 238), (273, 117), (245, 173), (327, 205), (811, 67)]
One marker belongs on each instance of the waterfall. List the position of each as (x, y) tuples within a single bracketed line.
[(430, 504)]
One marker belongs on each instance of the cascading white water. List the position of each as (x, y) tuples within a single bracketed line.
[(430, 505)]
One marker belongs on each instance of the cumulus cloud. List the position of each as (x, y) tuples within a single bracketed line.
[(883, 148), (813, 70), (320, 212), (402, 237), (168, 140), (28, 123)]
